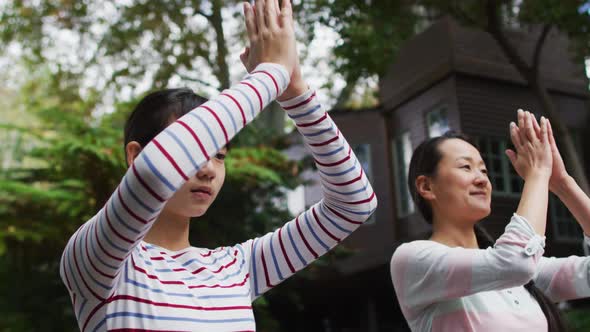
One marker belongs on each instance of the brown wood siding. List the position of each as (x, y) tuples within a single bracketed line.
[(361, 127), (411, 117), (486, 107)]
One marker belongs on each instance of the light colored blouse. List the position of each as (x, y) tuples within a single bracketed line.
[(440, 288)]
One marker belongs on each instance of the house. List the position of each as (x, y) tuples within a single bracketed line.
[(448, 77)]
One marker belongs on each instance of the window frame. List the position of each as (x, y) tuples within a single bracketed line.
[(368, 172), (401, 184), (443, 110)]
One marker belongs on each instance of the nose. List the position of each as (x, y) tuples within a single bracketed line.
[(481, 179), (207, 171)]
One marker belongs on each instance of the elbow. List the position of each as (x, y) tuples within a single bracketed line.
[(371, 206), (521, 271)]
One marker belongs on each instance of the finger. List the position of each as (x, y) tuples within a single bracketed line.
[(250, 22), (244, 57), (286, 16), (550, 134), (520, 116), (271, 13), (511, 156), (514, 135), (529, 131), (521, 126), (259, 10), (544, 134), (536, 126)]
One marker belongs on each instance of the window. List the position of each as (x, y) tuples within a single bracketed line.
[(565, 226), (402, 152), (363, 154), (437, 122), (502, 175)]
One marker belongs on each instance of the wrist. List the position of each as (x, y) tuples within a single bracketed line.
[(538, 174), (561, 187), (294, 89)]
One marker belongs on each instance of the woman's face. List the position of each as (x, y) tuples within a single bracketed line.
[(461, 189), (198, 193)]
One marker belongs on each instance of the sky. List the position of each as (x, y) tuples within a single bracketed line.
[(315, 66)]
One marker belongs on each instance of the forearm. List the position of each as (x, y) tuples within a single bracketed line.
[(576, 200), (98, 251), (534, 200), (346, 189)]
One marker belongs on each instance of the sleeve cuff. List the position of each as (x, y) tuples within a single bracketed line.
[(302, 105), (535, 242), (289, 103), (276, 70)]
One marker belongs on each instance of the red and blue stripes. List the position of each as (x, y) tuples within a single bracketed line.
[(118, 282), (278, 255)]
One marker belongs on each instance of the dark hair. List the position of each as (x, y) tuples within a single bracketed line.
[(425, 161), (156, 111)]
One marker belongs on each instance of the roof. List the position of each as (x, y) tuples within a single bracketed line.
[(446, 48)]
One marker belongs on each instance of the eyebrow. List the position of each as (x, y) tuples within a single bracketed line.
[(481, 162)]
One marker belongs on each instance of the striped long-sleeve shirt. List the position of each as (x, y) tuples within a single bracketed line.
[(440, 288), (119, 282)]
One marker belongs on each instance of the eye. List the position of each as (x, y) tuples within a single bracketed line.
[(466, 167), (220, 156), (484, 171)]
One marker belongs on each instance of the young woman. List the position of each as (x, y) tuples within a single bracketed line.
[(131, 267), (459, 280)]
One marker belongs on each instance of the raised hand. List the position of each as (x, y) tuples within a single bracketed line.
[(533, 153), (271, 35), (559, 173)]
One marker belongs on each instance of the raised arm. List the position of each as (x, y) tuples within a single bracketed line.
[(348, 200), (94, 256), (566, 188), (425, 272), (566, 278), (533, 161)]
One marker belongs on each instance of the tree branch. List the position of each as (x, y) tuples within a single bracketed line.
[(539, 47), (346, 92), (198, 12), (457, 12), (194, 79), (494, 27)]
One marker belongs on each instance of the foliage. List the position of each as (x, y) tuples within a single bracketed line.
[(371, 33), (74, 164), (566, 16), (577, 320), (77, 57)]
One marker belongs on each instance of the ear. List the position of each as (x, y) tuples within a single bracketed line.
[(424, 187), (132, 150)]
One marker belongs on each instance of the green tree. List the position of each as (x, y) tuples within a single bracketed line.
[(494, 16), (371, 33), (73, 166)]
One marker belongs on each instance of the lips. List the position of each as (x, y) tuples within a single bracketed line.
[(202, 190)]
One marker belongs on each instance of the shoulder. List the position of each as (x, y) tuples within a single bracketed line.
[(418, 248), (417, 253)]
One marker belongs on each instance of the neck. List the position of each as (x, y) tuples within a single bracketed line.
[(454, 234), (169, 231)]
